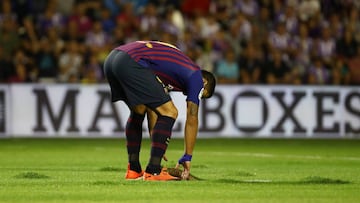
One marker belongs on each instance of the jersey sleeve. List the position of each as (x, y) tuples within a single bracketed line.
[(195, 88)]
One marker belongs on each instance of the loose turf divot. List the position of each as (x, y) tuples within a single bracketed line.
[(32, 175), (322, 180), (113, 169), (177, 173)]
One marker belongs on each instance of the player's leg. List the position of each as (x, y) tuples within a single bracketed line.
[(133, 132), (161, 134), (115, 69)]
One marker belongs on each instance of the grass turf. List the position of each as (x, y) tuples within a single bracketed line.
[(233, 170)]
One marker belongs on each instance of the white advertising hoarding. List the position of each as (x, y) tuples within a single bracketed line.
[(233, 111)]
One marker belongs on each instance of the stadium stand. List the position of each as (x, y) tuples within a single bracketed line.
[(293, 42)]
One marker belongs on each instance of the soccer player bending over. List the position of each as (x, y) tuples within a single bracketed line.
[(141, 73)]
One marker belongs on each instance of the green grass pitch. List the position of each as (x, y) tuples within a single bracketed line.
[(232, 170)]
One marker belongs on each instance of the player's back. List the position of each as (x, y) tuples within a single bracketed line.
[(166, 60)]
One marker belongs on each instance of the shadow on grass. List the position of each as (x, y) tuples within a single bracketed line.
[(31, 175), (311, 180), (112, 169)]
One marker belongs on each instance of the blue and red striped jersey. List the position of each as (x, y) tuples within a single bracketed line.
[(172, 66)]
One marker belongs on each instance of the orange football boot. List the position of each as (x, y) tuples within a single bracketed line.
[(133, 175), (163, 176)]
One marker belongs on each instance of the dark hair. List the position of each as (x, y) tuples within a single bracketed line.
[(211, 82)]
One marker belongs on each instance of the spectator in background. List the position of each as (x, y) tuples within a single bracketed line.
[(347, 45), (260, 30), (118, 36), (9, 38), (234, 39), (244, 28), (113, 6), (64, 6), (107, 22), (314, 25), (227, 70), (353, 22), (250, 65), (20, 57), (205, 59), (219, 44), (169, 25), (46, 61), (70, 63), (304, 45), (50, 19), (250, 8), (191, 7), (96, 39), (92, 72), (326, 46), (206, 56), (208, 26), (340, 74), (28, 8), (19, 75), (128, 20), (92, 8), (354, 66), (55, 41), (335, 26), (281, 40), (149, 21), (277, 71), (223, 14), (303, 50), (276, 8), (21, 64), (290, 19), (79, 20), (318, 73), (30, 33), (187, 43), (177, 19), (72, 33), (6, 12), (5, 67), (308, 9)]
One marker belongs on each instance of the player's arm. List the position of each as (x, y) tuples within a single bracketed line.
[(191, 127)]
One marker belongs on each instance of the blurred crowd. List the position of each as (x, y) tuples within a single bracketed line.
[(241, 41)]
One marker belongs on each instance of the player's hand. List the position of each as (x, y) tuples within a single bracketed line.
[(165, 158), (185, 161)]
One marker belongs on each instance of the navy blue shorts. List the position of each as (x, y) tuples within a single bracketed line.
[(132, 83)]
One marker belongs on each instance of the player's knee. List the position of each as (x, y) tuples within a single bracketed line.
[(170, 112), (168, 109), (140, 109), (173, 113)]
